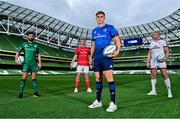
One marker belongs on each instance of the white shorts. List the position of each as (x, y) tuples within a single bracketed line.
[(82, 69), (154, 64)]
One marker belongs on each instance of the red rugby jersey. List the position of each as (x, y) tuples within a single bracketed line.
[(83, 55)]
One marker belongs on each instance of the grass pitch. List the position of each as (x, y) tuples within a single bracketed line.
[(58, 100)]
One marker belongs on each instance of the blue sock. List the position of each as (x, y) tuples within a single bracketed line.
[(112, 88), (99, 90)]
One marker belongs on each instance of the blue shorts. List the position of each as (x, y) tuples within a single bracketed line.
[(103, 64)]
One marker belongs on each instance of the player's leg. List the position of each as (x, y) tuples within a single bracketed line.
[(112, 88), (34, 69), (77, 82), (166, 81), (153, 81), (34, 84), (98, 77), (108, 72), (99, 87), (86, 74), (22, 84)]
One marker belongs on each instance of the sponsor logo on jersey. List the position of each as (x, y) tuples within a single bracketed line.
[(155, 47), (99, 36)]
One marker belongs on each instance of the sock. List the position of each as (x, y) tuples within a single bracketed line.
[(34, 84), (22, 85), (112, 88), (99, 90), (77, 83), (87, 83), (153, 84), (168, 85)]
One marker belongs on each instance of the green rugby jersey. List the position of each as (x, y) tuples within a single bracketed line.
[(30, 51)]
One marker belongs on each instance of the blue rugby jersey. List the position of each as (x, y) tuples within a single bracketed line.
[(102, 37)]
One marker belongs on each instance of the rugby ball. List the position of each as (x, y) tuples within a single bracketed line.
[(161, 57), (20, 59), (109, 49), (74, 65)]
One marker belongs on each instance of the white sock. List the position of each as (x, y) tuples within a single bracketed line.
[(153, 84), (168, 85)]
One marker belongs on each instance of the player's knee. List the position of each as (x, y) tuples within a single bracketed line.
[(165, 77), (77, 77), (153, 77), (33, 77), (24, 77), (109, 77), (86, 75)]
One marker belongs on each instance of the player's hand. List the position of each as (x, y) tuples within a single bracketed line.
[(164, 59), (90, 61), (39, 65), (91, 66), (71, 65), (114, 54), (17, 62), (148, 65)]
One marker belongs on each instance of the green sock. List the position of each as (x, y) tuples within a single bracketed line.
[(22, 85), (34, 84)]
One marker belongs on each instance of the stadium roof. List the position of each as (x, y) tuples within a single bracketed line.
[(67, 34)]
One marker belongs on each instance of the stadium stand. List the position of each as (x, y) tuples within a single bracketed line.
[(58, 39)]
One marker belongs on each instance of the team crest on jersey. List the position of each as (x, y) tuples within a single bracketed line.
[(105, 30), (26, 45), (35, 46)]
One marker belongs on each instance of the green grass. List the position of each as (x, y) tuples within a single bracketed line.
[(58, 100)]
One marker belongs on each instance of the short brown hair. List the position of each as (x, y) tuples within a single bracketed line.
[(83, 39), (156, 32), (100, 12)]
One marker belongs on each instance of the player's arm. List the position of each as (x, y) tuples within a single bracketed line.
[(39, 61), (39, 58), (166, 50), (18, 53), (73, 59), (16, 57), (148, 58), (117, 41), (92, 52)]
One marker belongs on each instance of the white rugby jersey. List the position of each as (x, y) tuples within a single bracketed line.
[(157, 48)]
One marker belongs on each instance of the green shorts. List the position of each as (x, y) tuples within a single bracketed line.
[(30, 67)]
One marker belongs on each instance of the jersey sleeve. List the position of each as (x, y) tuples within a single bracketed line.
[(165, 44), (38, 50), (20, 49), (113, 32), (77, 51), (89, 51), (150, 46), (93, 39)]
